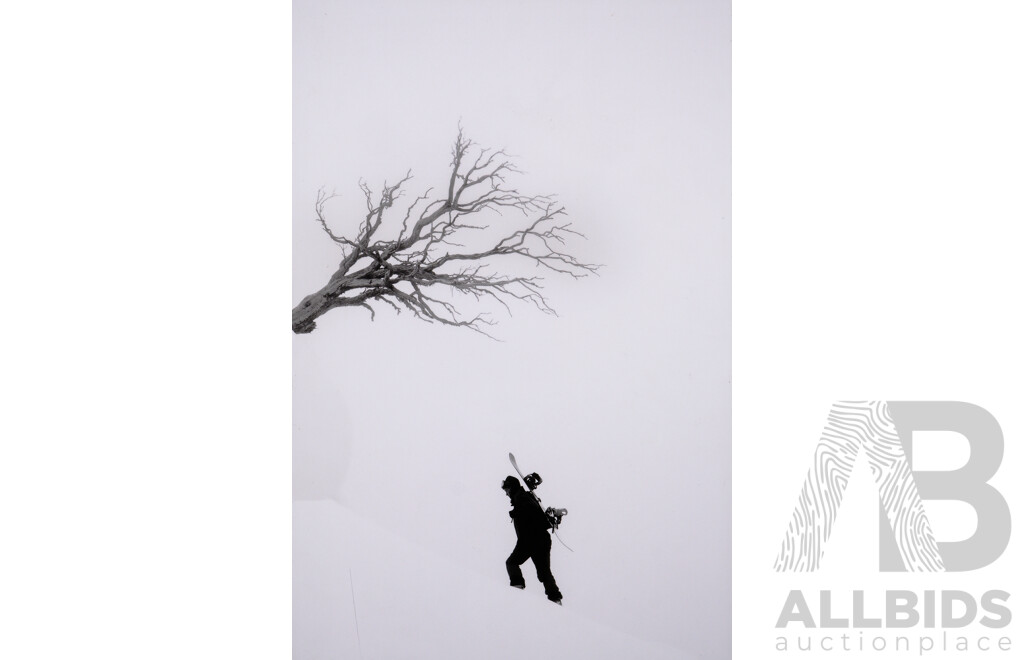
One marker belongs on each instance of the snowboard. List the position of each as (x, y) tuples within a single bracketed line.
[(531, 487)]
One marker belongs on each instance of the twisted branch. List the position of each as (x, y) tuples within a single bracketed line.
[(430, 250)]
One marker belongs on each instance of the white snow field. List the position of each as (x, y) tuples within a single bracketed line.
[(362, 591)]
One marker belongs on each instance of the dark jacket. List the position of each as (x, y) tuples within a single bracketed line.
[(527, 515)]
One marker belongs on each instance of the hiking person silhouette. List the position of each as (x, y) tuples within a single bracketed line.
[(532, 539)]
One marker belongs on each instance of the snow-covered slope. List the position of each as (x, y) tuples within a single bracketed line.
[(362, 591)]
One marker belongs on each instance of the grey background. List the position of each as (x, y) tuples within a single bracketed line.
[(622, 403)]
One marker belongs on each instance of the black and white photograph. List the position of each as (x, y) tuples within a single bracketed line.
[(511, 329), (661, 329)]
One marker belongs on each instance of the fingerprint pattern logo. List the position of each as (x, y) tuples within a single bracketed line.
[(853, 426)]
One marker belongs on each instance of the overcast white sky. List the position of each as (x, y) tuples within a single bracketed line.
[(622, 403)]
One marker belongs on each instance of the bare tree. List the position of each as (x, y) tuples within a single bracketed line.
[(429, 263)]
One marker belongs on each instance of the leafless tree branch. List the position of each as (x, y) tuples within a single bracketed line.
[(430, 250)]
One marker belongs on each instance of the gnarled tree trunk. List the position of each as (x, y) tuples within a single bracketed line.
[(427, 251)]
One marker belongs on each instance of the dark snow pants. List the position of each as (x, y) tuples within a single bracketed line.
[(539, 550)]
